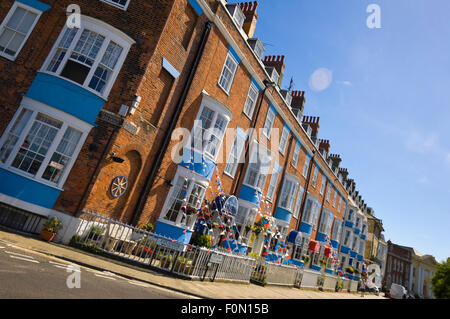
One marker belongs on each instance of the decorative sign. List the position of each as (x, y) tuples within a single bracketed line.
[(216, 259), (119, 186), (56, 165), (174, 245)]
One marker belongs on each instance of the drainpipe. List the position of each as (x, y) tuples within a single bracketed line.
[(174, 119), (267, 84)]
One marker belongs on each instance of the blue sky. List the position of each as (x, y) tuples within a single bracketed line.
[(387, 108)]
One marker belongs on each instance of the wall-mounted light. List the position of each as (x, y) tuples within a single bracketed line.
[(116, 158)]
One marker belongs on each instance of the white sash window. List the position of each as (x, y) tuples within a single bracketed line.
[(16, 28)]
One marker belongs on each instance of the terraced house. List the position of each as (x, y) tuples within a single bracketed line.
[(89, 114)]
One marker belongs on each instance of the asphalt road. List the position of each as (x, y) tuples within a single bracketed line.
[(25, 274)]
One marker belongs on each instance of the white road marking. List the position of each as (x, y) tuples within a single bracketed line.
[(30, 260), (107, 277), (67, 268), (138, 284), (10, 252), (1, 247), (59, 264)]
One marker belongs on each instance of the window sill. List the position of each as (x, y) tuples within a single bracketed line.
[(225, 91), (116, 6), (30, 177), (229, 175), (8, 57)]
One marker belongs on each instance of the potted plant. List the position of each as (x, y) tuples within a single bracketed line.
[(148, 227), (51, 227)]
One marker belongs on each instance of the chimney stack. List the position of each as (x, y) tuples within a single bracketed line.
[(336, 159), (344, 173), (313, 122), (324, 145), (298, 103), (251, 17), (277, 62)]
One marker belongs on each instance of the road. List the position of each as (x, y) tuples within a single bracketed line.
[(26, 274)]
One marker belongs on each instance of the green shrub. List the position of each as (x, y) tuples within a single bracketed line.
[(148, 227), (53, 224), (202, 240)]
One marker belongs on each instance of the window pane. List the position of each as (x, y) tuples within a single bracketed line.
[(14, 134), (27, 22), (16, 18), (75, 71)]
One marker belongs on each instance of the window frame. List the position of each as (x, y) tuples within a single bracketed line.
[(67, 120), (194, 180), (252, 108), (237, 149), (110, 34), (233, 74), (111, 2), (7, 18), (290, 201), (284, 140), (322, 185), (218, 108), (315, 176), (272, 185), (306, 166), (269, 130), (296, 155), (265, 158)]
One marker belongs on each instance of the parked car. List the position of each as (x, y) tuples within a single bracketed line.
[(398, 292)]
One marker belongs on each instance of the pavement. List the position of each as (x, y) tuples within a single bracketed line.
[(189, 288)]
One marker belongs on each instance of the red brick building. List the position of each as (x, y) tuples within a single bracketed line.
[(129, 76), (398, 265)]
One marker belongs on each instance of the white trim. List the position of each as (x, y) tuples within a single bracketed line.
[(8, 17)]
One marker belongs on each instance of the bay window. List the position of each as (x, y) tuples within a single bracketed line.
[(42, 143), (90, 56), (16, 28), (186, 191)]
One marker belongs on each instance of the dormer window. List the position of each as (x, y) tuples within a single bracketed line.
[(237, 14), (90, 56), (274, 76), (257, 47)]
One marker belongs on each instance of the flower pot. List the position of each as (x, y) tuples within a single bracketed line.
[(46, 235)]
